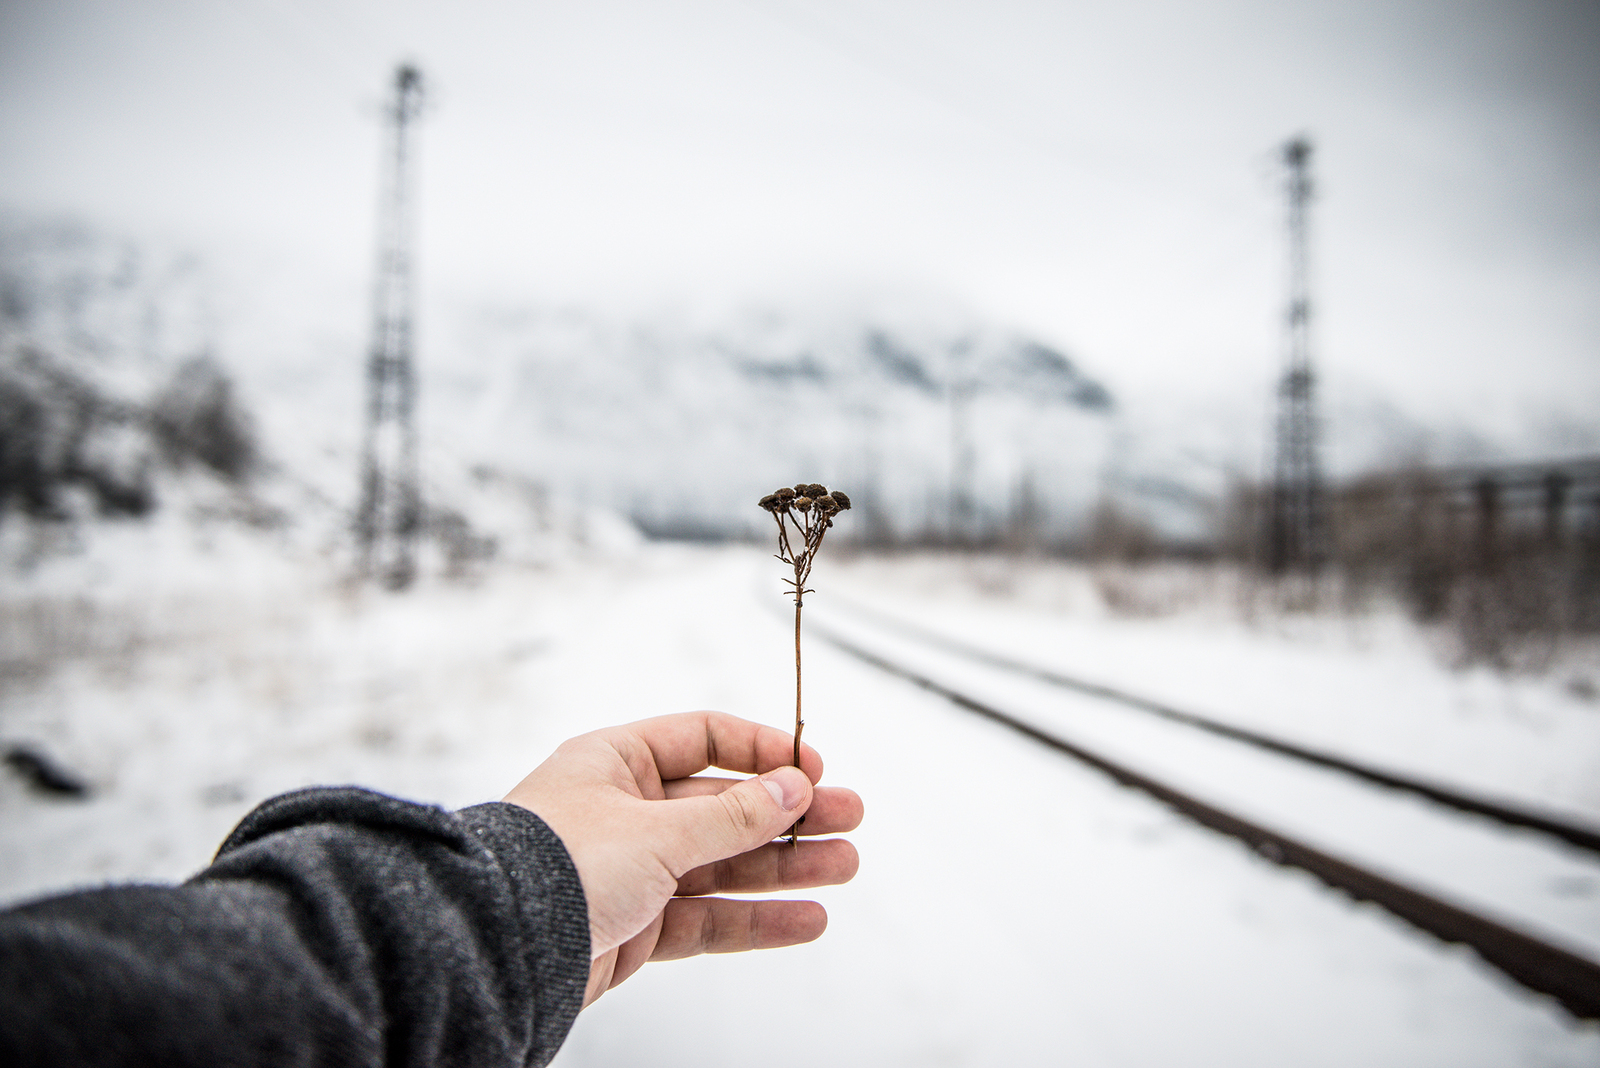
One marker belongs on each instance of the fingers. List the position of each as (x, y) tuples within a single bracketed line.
[(693, 831), (776, 866), (834, 810), (690, 742), (693, 925)]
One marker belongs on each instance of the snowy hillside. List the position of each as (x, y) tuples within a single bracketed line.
[(940, 418), (940, 415), (684, 422)]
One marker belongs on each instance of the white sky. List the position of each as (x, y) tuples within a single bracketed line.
[(1102, 174)]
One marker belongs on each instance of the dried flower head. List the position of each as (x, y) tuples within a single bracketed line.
[(841, 500)]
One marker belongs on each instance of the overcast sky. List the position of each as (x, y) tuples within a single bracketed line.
[(1103, 174)]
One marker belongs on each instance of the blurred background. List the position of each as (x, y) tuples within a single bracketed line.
[(375, 380)]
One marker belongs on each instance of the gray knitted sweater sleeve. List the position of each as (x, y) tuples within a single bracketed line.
[(336, 927)]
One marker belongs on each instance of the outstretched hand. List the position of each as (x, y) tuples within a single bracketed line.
[(650, 837)]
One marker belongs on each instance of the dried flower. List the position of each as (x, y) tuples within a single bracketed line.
[(813, 509)]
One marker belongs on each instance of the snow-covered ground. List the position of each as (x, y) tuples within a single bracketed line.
[(1013, 908), (1544, 887), (1368, 684)]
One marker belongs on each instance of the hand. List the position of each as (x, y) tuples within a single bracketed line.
[(649, 840)]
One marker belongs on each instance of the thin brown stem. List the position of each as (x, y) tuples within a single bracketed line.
[(799, 723)]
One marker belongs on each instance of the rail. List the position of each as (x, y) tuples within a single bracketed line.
[(1507, 812), (1572, 980)]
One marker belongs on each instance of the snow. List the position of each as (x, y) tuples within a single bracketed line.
[(1367, 684), (1521, 878), (1013, 907)]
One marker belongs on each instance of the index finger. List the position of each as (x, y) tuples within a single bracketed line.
[(690, 742)]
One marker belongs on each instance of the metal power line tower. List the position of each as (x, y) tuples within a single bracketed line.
[(1296, 533), (390, 511)]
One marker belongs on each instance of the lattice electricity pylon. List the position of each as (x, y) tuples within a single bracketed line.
[(1296, 534), (390, 513)]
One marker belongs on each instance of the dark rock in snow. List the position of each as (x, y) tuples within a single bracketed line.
[(42, 773)]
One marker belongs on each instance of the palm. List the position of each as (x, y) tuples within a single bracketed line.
[(644, 828)]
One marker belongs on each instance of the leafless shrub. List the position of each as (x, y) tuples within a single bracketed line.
[(465, 549), (59, 434), (196, 418), (1123, 594), (1115, 535), (1508, 621), (1502, 585)]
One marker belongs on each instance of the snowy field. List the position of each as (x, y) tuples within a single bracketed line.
[(1013, 907)]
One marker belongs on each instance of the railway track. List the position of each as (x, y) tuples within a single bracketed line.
[(1517, 885), (1511, 813)]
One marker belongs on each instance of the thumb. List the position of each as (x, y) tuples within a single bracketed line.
[(702, 830)]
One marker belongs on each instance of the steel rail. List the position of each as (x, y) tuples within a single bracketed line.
[(1571, 980), (1567, 830)]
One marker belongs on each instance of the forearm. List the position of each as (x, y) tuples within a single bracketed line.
[(335, 927)]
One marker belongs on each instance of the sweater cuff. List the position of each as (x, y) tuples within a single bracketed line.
[(552, 909)]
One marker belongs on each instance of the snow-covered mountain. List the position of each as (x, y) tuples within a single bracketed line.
[(929, 415), (684, 423), (936, 419)]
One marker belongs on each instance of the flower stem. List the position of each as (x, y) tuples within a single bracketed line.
[(799, 723), (811, 509)]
